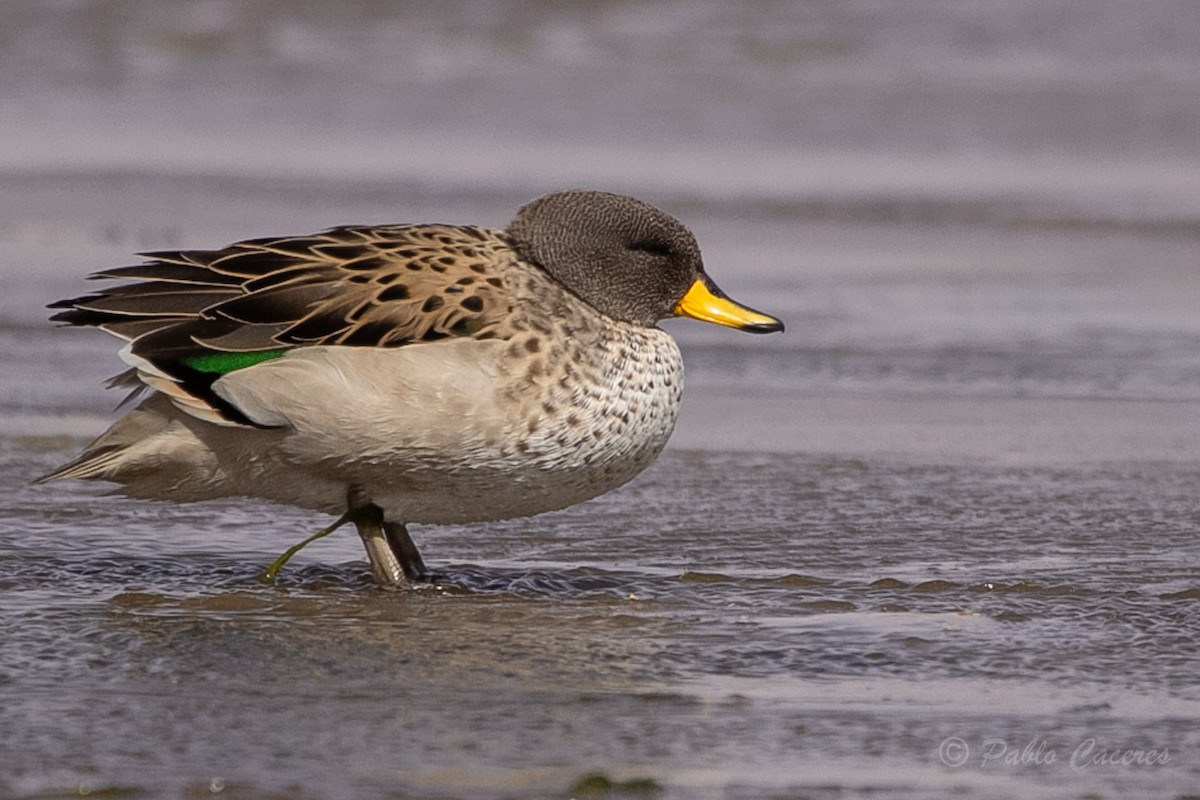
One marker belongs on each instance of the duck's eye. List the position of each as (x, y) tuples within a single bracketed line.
[(656, 249)]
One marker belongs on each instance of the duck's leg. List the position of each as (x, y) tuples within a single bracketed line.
[(394, 557), (367, 517), (406, 552)]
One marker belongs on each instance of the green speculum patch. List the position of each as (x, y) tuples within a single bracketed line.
[(224, 363)]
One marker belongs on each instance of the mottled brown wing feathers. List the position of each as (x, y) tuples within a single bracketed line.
[(161, 271), (356, 286)]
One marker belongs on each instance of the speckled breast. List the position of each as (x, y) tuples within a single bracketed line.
[(582, 420), (587, 402), (604, 417)]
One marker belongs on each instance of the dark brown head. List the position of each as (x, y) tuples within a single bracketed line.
[(627, 259)]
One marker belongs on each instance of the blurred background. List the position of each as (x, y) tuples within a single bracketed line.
[(1082, 110), (940, 196)]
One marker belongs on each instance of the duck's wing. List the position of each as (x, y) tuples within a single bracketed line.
[(192, 316)]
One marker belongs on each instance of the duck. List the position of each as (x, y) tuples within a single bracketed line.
[(405, 374)]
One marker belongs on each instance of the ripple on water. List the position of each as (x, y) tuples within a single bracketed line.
[(715, 578)]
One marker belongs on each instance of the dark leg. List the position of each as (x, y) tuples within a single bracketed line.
[(394, 558), (406, 552), (368, 519)]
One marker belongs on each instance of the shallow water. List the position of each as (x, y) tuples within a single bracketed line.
[(775, 623), (937, 540)]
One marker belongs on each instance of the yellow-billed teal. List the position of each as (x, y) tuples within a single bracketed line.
[(407, 373)]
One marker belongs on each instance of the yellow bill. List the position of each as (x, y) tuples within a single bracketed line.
[(705, 302)]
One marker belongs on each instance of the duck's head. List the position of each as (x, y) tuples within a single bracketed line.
[(627, 259)]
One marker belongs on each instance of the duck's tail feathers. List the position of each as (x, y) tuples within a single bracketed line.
[(123, 448), (94, 462)]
